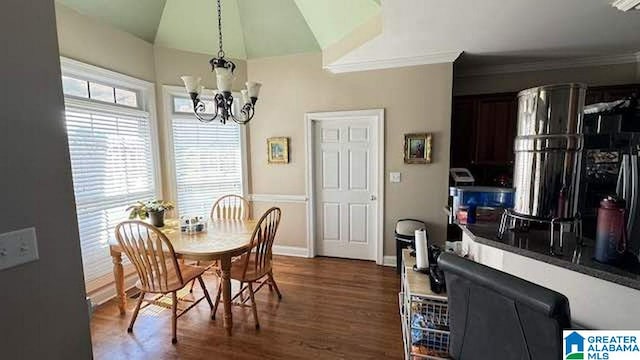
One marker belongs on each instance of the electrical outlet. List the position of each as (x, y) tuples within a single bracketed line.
[(18, 247)]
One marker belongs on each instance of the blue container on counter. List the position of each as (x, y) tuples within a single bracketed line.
[(471, 213), (482, 196)]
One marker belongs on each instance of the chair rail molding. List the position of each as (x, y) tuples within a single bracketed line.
[(278, 198)]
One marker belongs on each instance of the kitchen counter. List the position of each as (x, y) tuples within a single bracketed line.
[(535, 245), (600, 296)]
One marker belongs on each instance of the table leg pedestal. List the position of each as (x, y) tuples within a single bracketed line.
[(118, 274), (225, 267)]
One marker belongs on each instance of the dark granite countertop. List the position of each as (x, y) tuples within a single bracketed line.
[(534, 244)]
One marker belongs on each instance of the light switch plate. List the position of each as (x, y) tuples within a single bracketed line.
[(18, 247), (394, 177)]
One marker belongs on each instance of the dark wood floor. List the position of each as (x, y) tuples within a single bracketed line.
[(331, 309)]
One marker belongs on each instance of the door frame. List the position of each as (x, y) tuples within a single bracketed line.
[(377, 115)]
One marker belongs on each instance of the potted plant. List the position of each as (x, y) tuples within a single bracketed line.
[(153, 209)]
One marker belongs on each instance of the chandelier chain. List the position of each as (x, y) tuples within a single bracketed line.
[(220, 51)]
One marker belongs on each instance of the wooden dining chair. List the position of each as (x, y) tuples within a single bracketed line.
[(231, 207), (255, 266), (227, 207), (159, 272)]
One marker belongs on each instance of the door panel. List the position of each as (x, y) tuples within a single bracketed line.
[(358, 164), (330, 169), (331, 223), (358, 222), (345, 181)]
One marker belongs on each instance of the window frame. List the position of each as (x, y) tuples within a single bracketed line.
[(146, 107), (168, 93), (146, 102)]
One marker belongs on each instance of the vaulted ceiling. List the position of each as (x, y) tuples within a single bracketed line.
[(251, 28), (492, 32)]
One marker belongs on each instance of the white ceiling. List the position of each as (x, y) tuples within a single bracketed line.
[(492, 32)]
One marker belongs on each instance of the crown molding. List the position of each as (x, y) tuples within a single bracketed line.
[(550, 65), (436, 58), (626, 5)]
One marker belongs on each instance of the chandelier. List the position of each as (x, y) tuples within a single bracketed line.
[(223, 99)]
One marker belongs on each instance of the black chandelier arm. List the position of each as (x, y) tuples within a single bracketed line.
[(247, 111), (199, 107)]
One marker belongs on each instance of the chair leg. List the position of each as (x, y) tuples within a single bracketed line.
[(174, 317), (253, 305), (135, 312), (215, 303), (275, 286), (193, 282), (206, 293)]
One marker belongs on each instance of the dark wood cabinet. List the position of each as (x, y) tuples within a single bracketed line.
[(495, 129), (483, 127), (462, 130), (598, 94)]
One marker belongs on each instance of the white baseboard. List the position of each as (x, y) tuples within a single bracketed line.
[(102, 295), (389, 261), (290, 251)]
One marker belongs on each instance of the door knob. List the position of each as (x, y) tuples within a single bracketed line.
[(373, 197)]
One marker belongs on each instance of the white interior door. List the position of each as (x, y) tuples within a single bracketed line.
[(345, 161)]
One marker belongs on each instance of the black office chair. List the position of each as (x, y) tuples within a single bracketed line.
[(494, 315)]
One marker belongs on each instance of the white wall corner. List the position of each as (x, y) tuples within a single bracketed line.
[(295, 251), (389, 261), (397, 62)]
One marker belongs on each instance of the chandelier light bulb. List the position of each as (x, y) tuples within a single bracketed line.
[(253, 88), (192, 84)]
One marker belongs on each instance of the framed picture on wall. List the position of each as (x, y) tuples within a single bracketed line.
[(417, 148), (278, 150)]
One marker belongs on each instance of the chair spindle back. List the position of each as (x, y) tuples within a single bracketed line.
[(231, 207), (262, 240), (151, 253)]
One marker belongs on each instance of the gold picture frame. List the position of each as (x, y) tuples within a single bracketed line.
[(417, 148), (278, 150)]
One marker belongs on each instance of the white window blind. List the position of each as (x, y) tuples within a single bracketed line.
[(112, 166), (208, 163)]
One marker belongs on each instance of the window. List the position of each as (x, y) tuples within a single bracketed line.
[(112, 161), (208, 158), (96, 91)]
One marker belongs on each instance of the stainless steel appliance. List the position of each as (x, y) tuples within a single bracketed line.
[(548, 149), (611, 164)]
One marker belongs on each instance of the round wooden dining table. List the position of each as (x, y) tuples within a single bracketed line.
[(223, 240)]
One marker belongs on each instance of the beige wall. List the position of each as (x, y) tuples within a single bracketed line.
[(89, 40), (591, 75), (415, 99), (42, 304)]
